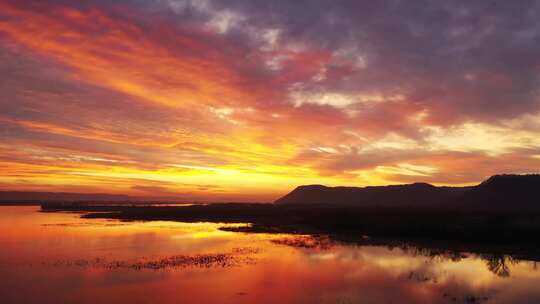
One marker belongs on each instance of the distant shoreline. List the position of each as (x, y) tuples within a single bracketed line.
[(505, 209), (518, 226), (19, 204), (496, 236)]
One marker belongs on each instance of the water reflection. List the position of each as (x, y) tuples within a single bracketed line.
[(498, 264), (60, 258)]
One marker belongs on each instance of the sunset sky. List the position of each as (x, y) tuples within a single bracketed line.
[(245, 100)]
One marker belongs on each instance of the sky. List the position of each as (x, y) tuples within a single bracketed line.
[(244, 100)]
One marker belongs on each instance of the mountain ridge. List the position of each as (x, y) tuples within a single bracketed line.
[(496, 191)]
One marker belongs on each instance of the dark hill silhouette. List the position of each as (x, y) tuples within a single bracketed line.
[(417, 194), (512, 191), (505, 191)]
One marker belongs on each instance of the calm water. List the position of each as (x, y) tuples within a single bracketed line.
[(60, 258)]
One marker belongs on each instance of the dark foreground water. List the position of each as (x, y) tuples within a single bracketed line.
[(60, 258)]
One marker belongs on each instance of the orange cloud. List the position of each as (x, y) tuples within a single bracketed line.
[(153, 104), (158, 63)]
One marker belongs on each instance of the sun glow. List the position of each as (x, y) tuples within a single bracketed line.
[(109, 99)]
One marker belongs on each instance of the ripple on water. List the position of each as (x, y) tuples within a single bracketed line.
[(237, 257)]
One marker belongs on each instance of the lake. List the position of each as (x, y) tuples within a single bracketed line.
[(57, 257)]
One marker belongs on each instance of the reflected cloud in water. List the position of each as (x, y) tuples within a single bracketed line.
[(60, 258)]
